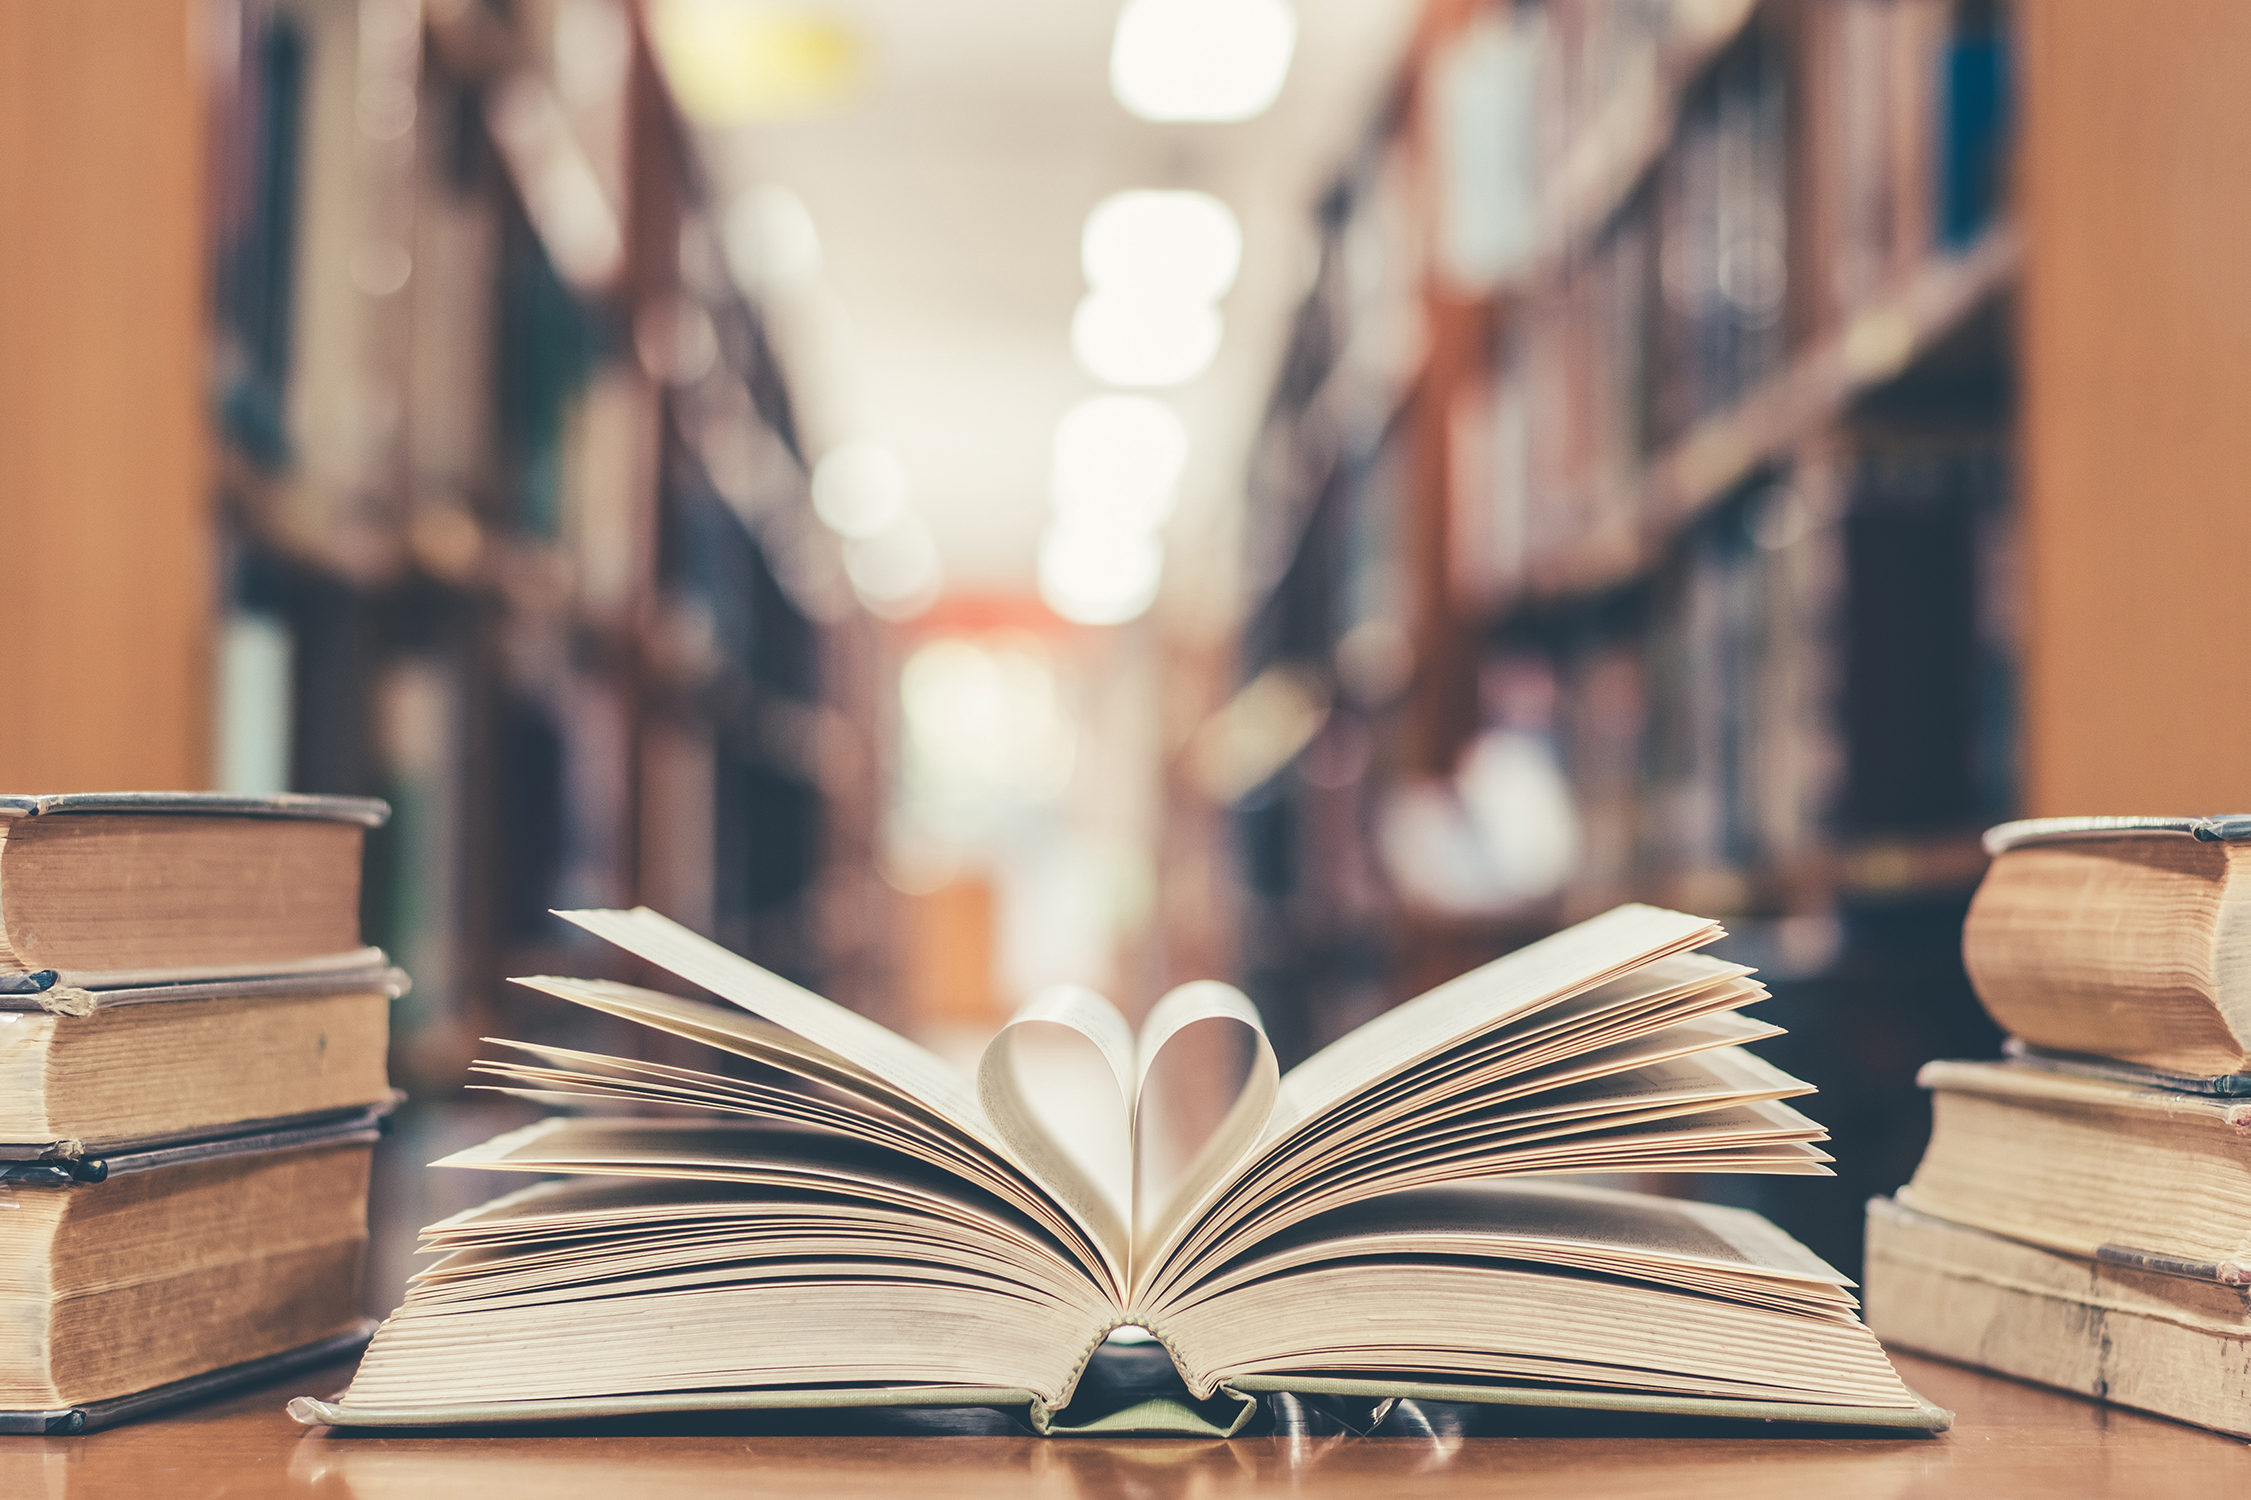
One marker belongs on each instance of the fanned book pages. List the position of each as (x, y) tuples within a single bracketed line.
[(842, 1218)]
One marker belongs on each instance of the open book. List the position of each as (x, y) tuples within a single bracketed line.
[(843, 1218)]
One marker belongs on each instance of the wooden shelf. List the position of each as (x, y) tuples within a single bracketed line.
[(1595, 176), (530, 579), (1861, 871), (1715, 457), (356, 555), (1597, 173)]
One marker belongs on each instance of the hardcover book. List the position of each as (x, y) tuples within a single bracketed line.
[(2178, 1345), (2125, 938), (832, 1216), (2089, 1166), (2078, 1217), (139, 1278), (98, 1071), (114, 889)]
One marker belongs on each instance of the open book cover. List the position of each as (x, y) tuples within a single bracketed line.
[(842, 1218)]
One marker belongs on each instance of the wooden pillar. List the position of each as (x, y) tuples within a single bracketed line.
[(105, 530), (1441, 710), (2137, 405)]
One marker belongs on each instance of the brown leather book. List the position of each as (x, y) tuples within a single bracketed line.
[(93, 1071), (2094, 1167), (2119, 937), (139, 1271), (2119, 1332), (103, 890)]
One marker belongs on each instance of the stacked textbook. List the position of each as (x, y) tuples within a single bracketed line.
[(827, 1215), (2082, 1217), (192, 1047)]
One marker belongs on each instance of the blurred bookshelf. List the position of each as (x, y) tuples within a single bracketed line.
[(515, 524), (1637, 496)]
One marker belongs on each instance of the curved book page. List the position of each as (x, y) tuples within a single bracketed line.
[(568, 1078), (868, 1045), (1516, 1012), (1607, 980), (1127, 1224), (684, 1256), (1101, 1199), (1668, 1299), (878, 1108), (1222, 1156), (910, 1070), (1701, 1246), (1577, 959)]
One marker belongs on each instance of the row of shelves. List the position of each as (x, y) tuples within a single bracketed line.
[(1813, 395), (1677, 565), (516, 528)]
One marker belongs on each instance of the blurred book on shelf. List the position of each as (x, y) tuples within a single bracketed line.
[(2078, 1216)]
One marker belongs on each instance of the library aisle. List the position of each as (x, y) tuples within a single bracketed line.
[(953, 500)]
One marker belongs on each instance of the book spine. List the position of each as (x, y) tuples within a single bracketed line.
[(2224, 1272), (1974, 127), (24, 1115)]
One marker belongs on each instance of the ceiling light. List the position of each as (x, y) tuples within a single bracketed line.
[(1178, 245), (1118, 458), (592, 42), (1143, 341), (769, 241), (895, 572), (733, 61), (859, 488), (1093, 575), (1201, 59), (985, 719)]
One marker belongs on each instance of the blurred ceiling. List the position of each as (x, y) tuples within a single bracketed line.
[(948, 188)]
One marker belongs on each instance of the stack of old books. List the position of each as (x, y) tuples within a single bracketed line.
[(192, 1078), (2083, 1214)]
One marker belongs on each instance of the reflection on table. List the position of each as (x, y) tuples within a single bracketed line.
[(2010, 1439)]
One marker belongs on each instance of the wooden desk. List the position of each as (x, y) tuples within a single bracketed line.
[(2010, 1440)]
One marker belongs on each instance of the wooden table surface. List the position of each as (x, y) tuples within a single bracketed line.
[(2009, 1440)]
